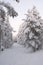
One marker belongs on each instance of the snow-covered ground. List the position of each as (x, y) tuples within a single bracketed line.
[(17, 55)]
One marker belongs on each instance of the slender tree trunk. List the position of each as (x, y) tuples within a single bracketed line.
[(0, 36)]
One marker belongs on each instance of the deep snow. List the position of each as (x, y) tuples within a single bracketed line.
[(18, 55)]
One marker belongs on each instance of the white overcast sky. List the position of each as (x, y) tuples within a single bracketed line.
[(22, 8)]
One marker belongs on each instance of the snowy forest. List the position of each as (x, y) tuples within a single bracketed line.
[(23, 44)]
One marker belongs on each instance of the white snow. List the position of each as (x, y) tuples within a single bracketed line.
[(17, 55), (31, 35)]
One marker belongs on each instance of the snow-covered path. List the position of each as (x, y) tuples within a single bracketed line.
[(18, 55)]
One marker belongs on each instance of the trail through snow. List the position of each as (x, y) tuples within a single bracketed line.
[(17, 55)]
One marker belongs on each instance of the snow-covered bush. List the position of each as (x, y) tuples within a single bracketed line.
[(30, 32)]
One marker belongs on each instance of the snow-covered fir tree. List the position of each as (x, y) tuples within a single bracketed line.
[(6, 39), (30, 32)]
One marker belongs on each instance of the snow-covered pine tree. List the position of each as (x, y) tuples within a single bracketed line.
[(30, 31), (6, 39)]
